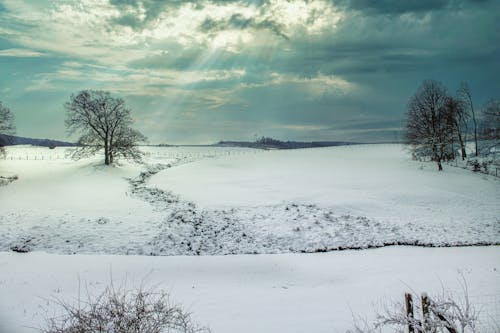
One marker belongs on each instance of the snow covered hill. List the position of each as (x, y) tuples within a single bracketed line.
[(234, 201)]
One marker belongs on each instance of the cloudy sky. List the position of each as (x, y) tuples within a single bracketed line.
[(198, 71)]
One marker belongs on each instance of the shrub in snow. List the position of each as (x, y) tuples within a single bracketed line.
[(476, 167), (122, 311), (439, 314), (102, 220), (7, 180), (485, 166)]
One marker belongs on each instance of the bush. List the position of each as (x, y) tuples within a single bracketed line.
[(448, 312), (122, 311), (476, 167), (7, 180), (485, 166)]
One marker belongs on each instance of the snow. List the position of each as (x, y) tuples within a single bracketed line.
[(62, 203), (195, 200), (81, 220), (378, 181), (292, 293)]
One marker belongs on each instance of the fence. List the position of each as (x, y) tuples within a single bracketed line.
[(191, 153), (34, 157), (486, 307)]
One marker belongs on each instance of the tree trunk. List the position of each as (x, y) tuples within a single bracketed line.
[(475, 124), (475, 134), (438, 157), (111, 147), (462, 145), (106, 152), (452, 149)]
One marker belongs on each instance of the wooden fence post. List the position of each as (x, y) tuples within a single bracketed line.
[(425, 313), (409, 312)]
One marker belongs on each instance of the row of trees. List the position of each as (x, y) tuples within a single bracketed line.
[(101, 121), (438, 123)]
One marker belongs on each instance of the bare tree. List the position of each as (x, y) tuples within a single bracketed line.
[(457, 118), (6, 126), (428, 126), (104, 123), (465, 96), (490, 127)]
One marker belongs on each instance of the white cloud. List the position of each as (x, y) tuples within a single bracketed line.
[(300, 16), (87, 29), (20, 53), (316, 85), (142, 82)]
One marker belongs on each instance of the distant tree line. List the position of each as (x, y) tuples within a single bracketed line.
[(438, 124), (271, 143), (18, 140)]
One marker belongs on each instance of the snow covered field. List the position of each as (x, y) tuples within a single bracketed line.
[(213, 201), (292, 293), (195, 200)]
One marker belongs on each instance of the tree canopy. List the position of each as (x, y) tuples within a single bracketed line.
[(428, 128), (104, 123), (6, 125)]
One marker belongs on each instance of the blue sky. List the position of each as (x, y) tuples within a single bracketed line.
[(200, 71)]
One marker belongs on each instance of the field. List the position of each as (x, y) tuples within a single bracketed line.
[(79, 219)]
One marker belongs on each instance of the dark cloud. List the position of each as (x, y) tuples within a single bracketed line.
[(129, 20), (131, 10), (382, 48), (375, 44), (398, 7), (239, 22), (385, 48)]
